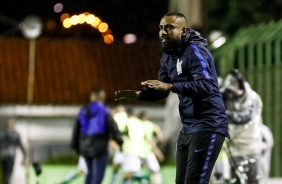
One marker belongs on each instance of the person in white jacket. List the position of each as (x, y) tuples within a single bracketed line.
[(267, 139), (244, 108)]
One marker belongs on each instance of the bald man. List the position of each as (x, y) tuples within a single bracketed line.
[(187, 68)]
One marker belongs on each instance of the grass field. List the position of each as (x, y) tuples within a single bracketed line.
[(53, 174)]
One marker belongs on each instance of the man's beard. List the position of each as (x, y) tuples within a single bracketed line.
[(170, 46)]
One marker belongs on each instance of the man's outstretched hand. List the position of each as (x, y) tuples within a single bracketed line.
[(133, 94), (158, 85), (127, 95)]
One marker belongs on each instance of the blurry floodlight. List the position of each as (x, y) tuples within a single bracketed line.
[(96, 22), (64, 16), (74, 19), (103, 27), (58, 7), (31, 27), (129, 38), (67, 23), (108, 39), (82, 18), (90, 19), (220, 41), (214, 35)]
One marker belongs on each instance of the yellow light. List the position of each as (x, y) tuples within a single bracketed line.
[(103, 27), (67, 23), (82, 18), (74, 19), (90, 19), (96, 22), (64, 16), (108, 39)]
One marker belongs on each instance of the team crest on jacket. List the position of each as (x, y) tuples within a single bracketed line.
[(179, 67)]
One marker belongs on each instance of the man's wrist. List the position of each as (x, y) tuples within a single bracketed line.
[(170, 87)]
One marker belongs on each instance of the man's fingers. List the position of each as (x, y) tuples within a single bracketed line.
[(153, 83), (121, 92), (120, 99), (148, 82)]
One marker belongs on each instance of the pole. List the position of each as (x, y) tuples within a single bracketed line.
[(31, 71)]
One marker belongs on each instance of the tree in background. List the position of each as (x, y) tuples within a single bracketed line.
[(229, 16)]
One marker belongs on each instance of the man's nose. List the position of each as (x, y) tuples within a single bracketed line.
[(162, 32)]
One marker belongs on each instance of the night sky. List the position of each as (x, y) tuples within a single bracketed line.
[(123, 16)]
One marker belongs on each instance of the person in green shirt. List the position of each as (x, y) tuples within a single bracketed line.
[(153, 136), (121, 118)]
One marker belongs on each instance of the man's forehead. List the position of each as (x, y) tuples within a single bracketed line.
[(173, 20)]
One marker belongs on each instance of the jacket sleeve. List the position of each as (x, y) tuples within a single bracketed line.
[(113, 130), (149, 94), (75, 137), (243, 117), (199, 65)]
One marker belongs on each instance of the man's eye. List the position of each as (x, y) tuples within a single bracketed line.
[(170, 27)]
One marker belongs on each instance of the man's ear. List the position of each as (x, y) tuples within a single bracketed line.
[(185, 31)]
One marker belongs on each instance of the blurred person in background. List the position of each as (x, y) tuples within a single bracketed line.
[(265, 160), (153, 136), (187, 68), (244, 108), (133, 147), (92, 131), (10, 140), (120, 116)]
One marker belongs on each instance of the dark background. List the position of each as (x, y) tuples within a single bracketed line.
[(136, 16), (123, 16)]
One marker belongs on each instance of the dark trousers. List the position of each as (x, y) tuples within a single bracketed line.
[(7, 169), (196, 155), (96, 169)]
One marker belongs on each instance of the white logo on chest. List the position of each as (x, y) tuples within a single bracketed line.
[(179, 67)]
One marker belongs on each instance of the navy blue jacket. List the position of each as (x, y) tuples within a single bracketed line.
[(192, 73)]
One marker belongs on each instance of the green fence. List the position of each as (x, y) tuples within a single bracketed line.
[(257, 52)]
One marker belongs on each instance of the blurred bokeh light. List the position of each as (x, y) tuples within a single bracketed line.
[(67, 23), (90, 19), (108, 39), (129, 38), (64, 16), (103, 27), (74, 20), (96, 22), (82, 18), (58, 8)]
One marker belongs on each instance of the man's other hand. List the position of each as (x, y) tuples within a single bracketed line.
[(127, 95), (158, 85)]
